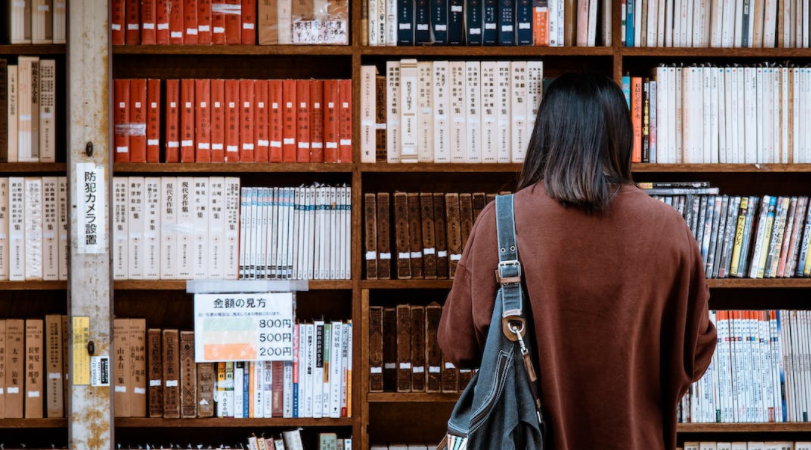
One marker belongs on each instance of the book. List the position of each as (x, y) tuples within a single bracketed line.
[(171, 374)]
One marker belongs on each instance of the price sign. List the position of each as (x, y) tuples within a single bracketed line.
[(243, 327)]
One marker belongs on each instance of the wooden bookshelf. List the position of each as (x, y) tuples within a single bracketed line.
[(180, 285), (33, 423), (33, 49), (33, 286), (33, 168), (209, 168), (252, 50), (123, 422)]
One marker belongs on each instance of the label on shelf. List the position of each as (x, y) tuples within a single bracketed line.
[(91, 200)]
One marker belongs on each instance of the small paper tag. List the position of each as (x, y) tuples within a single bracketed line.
[(385, 256), (33, 394), (13, 390), (171, 383), (419, 369), (371, 255), (139, 390), (154, 383), (121, 389), (434, 369), (405, 366), (428, 251), (376, 370), (387, 366), (449, 366)]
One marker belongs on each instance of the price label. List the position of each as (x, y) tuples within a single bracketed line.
[(243, 327)]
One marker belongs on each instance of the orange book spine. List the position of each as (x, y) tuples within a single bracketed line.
[(122, 120), (217, 121), (233, 23), (138, 120), (289, 121), (204, 22), (261, 120), (276, 119), (148, 10), (303, 121), (153, 121), (345, 121), (202, 120), (176, 22), (248, 22), (217, 22), (247, 149), (133, 35), (540, 26), (331, 121), (117, 22), (172, 150), (190, 22), (231, 121), (162, 22), (636, 117), (317, 121), (187, 120)]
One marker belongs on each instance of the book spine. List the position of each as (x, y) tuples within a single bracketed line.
[(506, 22), (523, 13), (518, 107), (247, 121), (490, 22), (456, 19), (190, 30), (345, 121), (367, 114), (122, 120), (405, 22), (152, 228), (218, 108), (393, 113), (47, 111), (202, 120), (249, 22), (204, 22), (473, 22), (261, 137), (232, 121), (540, 23), (34, 388)]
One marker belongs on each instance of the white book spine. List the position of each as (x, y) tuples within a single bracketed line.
[(776, 108), (672, 117), (553, 23), (740, 150), (318, 373), (307, 370), (393, 111), (267, 390), (534, 95), (152, 235), (458, 118), (136, 221), (391, 22), (26, 151), (4, 229), (706, 123), (216, 228), (441, 107), (425, 112), (258, 399), (168, 228), (679, 130), (795, 117), (120, 228), (346, 363), (503, 112), (714, 126), (325, 384), (185, 228), (287, 397), (752, 77), (200, 243), (374, 23), (785, 120), (285, 21), (17, 21), (232, 201), (47, 110), (367, 109), (50, 238), (722, 122), (677, 22), (12, 111), (638, 23), (488, 111), (518, 100), (661, 115), (661, 28), (770, 24), (336, 370), (473, 117), (591, 36), (59, 15), (243, 199), (33, 228), (64, 249), (239, 386), (408, 110)]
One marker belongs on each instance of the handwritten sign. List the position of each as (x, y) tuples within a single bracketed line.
[(91, 203), (243, 327)]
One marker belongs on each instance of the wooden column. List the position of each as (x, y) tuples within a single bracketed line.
[(90, 413)]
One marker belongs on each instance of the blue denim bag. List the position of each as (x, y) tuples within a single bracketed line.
[(501, 407)]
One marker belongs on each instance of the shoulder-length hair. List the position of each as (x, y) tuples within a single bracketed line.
[(582, 142)]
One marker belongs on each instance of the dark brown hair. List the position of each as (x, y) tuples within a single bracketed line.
[(582, 142)]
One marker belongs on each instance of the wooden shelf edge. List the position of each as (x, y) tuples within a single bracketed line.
[(33, 49), (732, 168), (33, 285), (486, 51), (230, 168), (406, 284), (725, 283), (57, 168), (637, 167), (256, 50), (33, 423), (684, 428), (180, 285), (123, 422), (690, 52), (431, 167), (413, 397)]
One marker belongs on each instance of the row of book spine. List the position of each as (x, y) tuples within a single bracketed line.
[(550, 23), (715, 23), (33, 229), (161, 378), (751, 445), (33, 356), (216, 120), (296, 233), (229, 22), (450, 111), (710, 114), (404, 355), (28, 110), (754, 237), (291, 440), (402, 447), (35, 21), (430, 230)]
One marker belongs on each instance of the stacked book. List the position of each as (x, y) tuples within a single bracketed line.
[(430, 229), (33, 229), (449, 111), (549, 23), (404, 355), (28, 110), (317, 383), (216, 120), (29, 349), (34, 21), (784, 445), (758, 372), (701, 115), (402, 447), (716, 23), (291, 440), (229, 22), (739, 236)]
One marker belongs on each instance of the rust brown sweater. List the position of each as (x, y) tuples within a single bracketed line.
[(620, 311)]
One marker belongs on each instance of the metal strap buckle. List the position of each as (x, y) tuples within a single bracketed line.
[(508, 280)]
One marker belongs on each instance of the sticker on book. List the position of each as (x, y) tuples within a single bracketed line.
[(243, 327), (81, 358), (91, 204), (100, 371), (320, 32)]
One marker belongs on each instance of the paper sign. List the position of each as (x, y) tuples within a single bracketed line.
[(243, 327), (81, 359), (100, 371), (91, 204)]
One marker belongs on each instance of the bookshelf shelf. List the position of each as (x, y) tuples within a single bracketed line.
[(637, 167), (229, 423), (180, 285), (33, 49), (414, 397), (685, 428), (486, 51), (33, 285), (406, 284), (439, 168), (55, 168), (222, 50), (732, 168), (728, 53), (725, 283), (121, 168), (33, 423)]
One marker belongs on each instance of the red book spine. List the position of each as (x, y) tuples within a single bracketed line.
[(317, 121), (162, 22), (172, 121), (217, 121), (153, 121), (218, 22), (133, 23), (190, 22), (187, 120), (636, 117), (176, 22), (117, 24), (231, 121), (303, 121), (148, 10), (345, 122), (289, 121), (122, 120), (276, 119), (246, 116), (233, 22), (248, 22), (261, 120), (202, 120), (331, 121), (137, 128), (204, 22)]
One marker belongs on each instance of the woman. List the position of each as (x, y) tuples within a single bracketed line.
[(615, 280)]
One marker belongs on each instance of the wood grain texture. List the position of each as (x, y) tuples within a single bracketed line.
[(33, 285), (257, 50), (420, 397), (33, 423), (133, 168), (33, 49), (132, 422), (34, 168)]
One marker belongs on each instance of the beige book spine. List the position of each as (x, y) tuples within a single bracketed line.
[(53, 356), (34, 390), (123, 369), (47, 110), (137, 345)]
